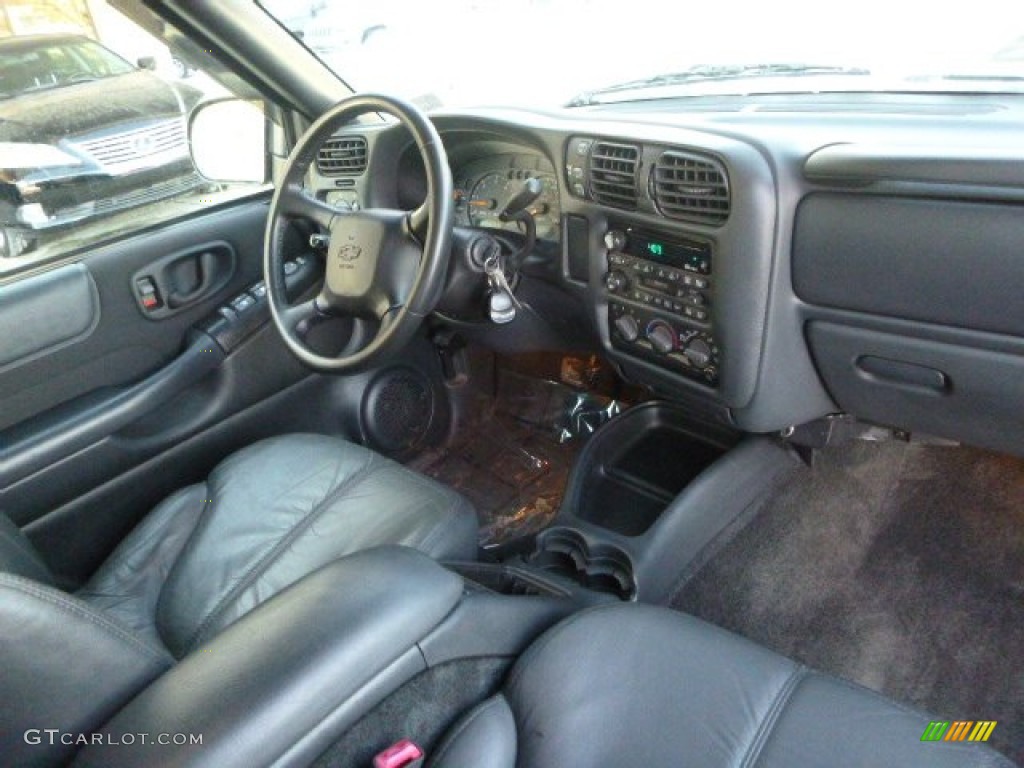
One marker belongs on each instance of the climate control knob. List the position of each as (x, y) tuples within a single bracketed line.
[(698, 352), (627, 327), (616, 281), (661, 336), (615, 240)]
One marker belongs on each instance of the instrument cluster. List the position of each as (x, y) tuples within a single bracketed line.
[(484, 186)]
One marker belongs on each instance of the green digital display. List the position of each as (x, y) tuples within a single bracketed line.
[(692, 255)]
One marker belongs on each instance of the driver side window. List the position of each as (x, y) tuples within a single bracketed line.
[(95, 117)]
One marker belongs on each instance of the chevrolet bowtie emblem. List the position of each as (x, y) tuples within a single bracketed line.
[(350, 252)]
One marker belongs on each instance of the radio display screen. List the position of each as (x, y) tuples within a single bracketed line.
[(692, 255)]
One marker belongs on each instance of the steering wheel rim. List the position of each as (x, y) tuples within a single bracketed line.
[(398, 288)]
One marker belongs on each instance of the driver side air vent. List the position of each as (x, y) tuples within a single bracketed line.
[(690, 187), (613, 171), (342, 156)]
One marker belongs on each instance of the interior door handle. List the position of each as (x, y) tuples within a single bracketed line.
[(179, 280), (206, 269)]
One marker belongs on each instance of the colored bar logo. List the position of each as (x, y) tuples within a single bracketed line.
[(959, 730)]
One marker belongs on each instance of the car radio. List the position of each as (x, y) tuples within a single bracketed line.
[(660, 300)]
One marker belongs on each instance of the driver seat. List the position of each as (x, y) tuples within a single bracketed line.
[(266, 516)]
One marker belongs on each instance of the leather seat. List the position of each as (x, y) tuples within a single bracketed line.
[(631, 685), (266, 516)]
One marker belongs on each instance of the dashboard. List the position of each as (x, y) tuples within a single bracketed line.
[(768, 261)]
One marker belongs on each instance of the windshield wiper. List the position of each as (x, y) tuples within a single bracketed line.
[(715, 73), (969, 77)]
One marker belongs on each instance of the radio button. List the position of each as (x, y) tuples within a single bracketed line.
[(616, 281), (615, 240)]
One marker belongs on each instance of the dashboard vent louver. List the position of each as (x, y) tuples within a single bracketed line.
[(690, 187), (613, 172), (342, 156)]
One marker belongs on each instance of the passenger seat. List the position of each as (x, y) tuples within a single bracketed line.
[(631, 685)]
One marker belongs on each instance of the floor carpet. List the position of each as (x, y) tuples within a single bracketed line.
[(897, 566)]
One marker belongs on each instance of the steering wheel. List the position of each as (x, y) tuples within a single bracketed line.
[(382, 266)]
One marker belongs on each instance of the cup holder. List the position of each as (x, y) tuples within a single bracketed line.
[(599, 567), (507, 580)]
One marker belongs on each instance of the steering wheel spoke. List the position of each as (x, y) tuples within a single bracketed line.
[(296, 204), (419, 221), (298, 319)]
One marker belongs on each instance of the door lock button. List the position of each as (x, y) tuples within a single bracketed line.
[(148, 295)]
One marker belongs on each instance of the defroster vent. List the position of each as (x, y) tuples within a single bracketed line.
[(342, 156), (613, 172), (690, 187)]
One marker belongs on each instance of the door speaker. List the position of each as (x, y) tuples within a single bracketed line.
[(398, 410)]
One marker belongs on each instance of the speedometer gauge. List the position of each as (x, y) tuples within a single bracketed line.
[(488, 199)]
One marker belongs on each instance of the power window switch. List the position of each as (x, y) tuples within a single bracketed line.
[(242, 303)]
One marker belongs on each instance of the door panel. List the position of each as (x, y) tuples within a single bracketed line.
[(79, 414), (126, 344)]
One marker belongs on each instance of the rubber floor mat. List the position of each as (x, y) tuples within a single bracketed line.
[(898, 566)]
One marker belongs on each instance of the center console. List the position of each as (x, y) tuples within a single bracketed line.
[(649, 492), (660, 300)]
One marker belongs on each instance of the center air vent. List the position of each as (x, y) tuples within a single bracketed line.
[(342, 156), (613, 170), (690, 187)]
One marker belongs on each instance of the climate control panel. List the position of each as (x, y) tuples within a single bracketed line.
[(667, 341)]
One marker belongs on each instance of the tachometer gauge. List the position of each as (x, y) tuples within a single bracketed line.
[(487, 199)]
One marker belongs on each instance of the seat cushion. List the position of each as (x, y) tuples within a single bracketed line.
[(631, 685), (267, 516)]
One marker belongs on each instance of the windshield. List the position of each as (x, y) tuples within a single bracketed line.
[(546, 53), (37, 64)]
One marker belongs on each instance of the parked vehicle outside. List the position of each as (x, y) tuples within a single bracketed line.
[(83, 134)]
